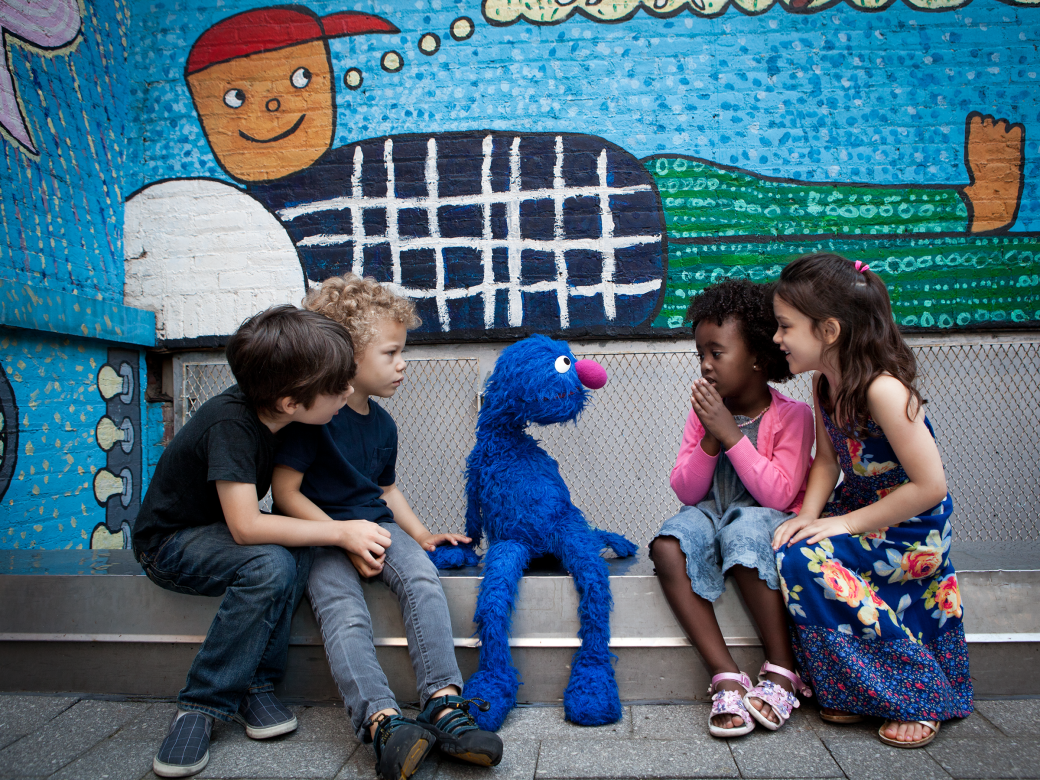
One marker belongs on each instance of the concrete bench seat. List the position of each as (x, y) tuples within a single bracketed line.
[(91, 622)]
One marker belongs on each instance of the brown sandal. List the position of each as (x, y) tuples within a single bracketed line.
[(840, 717)]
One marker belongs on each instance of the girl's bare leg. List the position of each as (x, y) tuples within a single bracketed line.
[(770, 615), (696, 615)]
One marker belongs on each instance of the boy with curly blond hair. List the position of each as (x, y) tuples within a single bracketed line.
[(346, 470)]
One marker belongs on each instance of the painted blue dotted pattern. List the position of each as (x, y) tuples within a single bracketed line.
[(839, 95)]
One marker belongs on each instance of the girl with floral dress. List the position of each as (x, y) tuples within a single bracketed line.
[(865, 572)]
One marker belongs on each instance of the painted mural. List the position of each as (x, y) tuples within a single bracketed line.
[(64, 403), (63, 149), (63, 136), (565, 166), (49, 26), (583, 168)]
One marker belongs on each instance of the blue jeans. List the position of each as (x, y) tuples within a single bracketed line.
[(338, 602), (714, 543), (247, 644)]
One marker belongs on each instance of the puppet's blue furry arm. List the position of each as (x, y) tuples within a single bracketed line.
[(620, 545), (451, 557)]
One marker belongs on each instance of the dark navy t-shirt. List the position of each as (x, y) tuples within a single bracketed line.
[(345, 463)]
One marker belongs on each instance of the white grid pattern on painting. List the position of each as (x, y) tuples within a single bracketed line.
[(606, 244)]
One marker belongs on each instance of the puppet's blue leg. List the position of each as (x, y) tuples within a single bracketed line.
[(496, 679), (591, 698)]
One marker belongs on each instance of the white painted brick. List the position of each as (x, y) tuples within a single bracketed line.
[(204, 256)]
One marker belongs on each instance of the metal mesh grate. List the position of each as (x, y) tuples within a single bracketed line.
[(436, 415), (201, 382), (984, 401)]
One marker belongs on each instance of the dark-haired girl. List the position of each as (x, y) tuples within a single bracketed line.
[(741, 471), (866, 574)]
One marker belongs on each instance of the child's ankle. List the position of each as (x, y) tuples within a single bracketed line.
[(378, 718), (182, 712), (780, 680)]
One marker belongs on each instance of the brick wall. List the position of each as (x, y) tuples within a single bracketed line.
[(581, 170)]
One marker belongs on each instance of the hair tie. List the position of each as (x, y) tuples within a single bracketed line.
[(861, 266)]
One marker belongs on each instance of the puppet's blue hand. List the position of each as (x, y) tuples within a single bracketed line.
[(449, 556), (620, 545)]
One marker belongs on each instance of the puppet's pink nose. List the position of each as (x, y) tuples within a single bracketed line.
[(591, 374)]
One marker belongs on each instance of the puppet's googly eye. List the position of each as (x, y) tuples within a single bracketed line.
[(234, 98), (301, 77), (563, 364)]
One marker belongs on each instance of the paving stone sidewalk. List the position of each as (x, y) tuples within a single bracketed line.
[(71, 738)]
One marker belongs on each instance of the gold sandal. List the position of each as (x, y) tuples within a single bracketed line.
[(932, 724)]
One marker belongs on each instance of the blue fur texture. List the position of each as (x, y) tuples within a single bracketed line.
[(449, 556), (517, 498)]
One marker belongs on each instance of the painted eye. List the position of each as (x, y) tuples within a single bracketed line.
[(301, 77), (563, 364), (234, 98)]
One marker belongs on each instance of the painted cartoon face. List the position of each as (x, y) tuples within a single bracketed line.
[(270, 114)]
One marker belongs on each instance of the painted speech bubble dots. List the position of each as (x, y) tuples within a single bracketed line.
[(47, 25), (503, 12)]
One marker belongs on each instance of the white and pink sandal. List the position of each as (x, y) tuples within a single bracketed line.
[(782, 701), (729, 703)]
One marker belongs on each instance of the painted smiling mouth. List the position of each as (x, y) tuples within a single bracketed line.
[(278, 137)]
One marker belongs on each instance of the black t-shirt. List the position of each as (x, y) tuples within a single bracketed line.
[(223, 440), (345, 462)]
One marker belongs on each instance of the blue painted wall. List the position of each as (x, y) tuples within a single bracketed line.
[(761, 136), (62, 319), (767, 135)]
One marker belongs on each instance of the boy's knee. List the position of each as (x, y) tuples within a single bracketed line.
[(272, 566)]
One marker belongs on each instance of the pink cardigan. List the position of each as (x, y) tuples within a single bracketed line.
[(775, 474)]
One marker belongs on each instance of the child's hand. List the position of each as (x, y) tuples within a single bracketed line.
[(432, 541), (713, 414), (366, 542), (364, 568), (812, 528)]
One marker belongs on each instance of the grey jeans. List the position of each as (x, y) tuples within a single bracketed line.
[(338, 601)]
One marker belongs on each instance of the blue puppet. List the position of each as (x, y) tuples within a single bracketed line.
[(516, 496)]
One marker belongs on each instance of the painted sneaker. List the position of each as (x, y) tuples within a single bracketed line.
[(264, 716), (457, 733), (185, 750), (401, 745)]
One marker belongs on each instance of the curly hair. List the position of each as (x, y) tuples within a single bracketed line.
[(360, 305), (751, 305)]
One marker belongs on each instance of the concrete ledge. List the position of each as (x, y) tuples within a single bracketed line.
[(92, 622)]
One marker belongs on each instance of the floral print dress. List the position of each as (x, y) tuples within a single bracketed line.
[(877, 616)]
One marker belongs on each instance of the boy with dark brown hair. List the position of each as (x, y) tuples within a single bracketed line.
[(200, 529)]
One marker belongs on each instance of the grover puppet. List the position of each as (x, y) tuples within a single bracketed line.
[(516, 496)]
